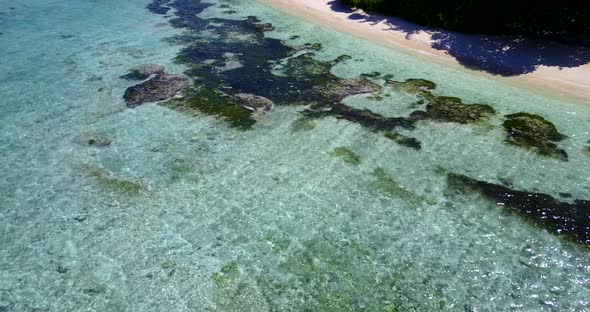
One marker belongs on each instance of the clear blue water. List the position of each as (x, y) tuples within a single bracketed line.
[(212, 218)]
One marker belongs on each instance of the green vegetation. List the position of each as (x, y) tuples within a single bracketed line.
[(179, 168), (213, 102), (136, 75), (550, 19), (534, 132), (326, 275), (279, 244), (386, 185), (234, 292), (420, 87), (452, 109), (441, 108), (111, 183), (302, 124), (402, 139), (347, 155)]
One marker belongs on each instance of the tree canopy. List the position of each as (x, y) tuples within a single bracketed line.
[(559, 19)]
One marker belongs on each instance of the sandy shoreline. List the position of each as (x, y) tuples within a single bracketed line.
[(567, 83)]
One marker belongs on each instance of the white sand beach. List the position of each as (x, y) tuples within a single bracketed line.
[(567, 82)]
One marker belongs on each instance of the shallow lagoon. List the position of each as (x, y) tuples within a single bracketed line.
[(267, 219)]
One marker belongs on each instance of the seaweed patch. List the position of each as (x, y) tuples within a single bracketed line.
[(346, 155), (536, 133), (325, 275)]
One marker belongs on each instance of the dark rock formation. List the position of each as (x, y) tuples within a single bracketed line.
[(144, 71), (346, 87), (212, 102), (534, 132), (92, 140), (263, 27), (571, 220), (402, 139), (421, 87), (159, 88), (158, 6), (364, 117), (370, 120), (253, 102), (451, 109)]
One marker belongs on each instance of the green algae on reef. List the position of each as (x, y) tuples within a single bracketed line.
[(420, 87), (402, 139), (232, 291), (370, 120), (111, 183), (302, 124), (536, 133), (213, 102), (324, 275), (179, 168), (346, 155), (386, 185), (452, 109), (441, 108)]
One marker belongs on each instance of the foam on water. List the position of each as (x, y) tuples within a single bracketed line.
[(267, 219)]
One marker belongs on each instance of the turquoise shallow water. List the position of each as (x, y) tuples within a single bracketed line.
[(214, 218)]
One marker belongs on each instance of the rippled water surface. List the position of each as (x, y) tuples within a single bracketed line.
[(301, 208)]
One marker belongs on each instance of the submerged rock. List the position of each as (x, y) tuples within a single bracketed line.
[(92, 140), (212, 102), (159, 88), (534, 132), (158, 6), (369, 119), (304, 66), (255, 22), (374, 75), (342, 88), (441, 108), (452, 109), (259, 105), (304, 47), (561, 218), (144, 71), (364, 117), (421, 87), (403, 140), (253, 102)]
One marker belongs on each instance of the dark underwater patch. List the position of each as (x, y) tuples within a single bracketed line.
[(324, 275), (452, 109), (370, 120), (213, 102), (290, 75), (571, 220), (158, 7), (536, 133)]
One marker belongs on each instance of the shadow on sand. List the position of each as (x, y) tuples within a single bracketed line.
[(498, 55)]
